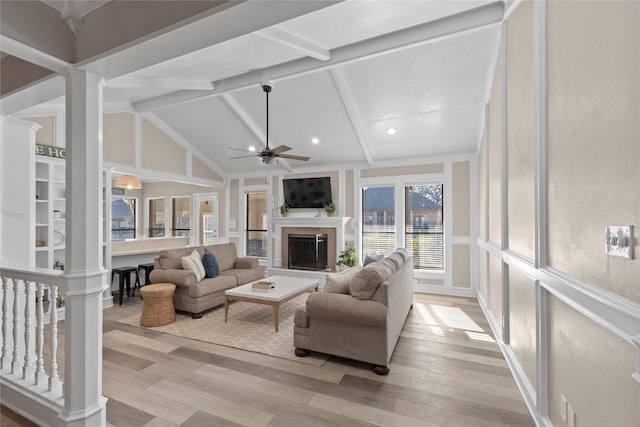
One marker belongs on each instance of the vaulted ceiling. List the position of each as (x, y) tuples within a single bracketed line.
[(343, 72)]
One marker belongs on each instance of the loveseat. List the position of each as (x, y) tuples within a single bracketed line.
[(360, 313), (196, 295)]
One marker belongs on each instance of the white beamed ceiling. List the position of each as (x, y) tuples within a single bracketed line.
[(343, 73)]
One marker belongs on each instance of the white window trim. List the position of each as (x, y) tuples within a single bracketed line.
[(399, 182), (195, 230), (137, 214), (146, 214), (248, 189), (191, 215)]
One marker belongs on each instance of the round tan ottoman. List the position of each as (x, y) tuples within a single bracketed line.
[(158, 304)]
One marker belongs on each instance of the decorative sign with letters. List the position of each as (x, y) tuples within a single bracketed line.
[(51, 151)]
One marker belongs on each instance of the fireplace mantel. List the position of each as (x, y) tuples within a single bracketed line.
[(311, 221), (336, 222)]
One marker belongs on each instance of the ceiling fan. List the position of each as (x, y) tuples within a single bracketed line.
[(269, 155)]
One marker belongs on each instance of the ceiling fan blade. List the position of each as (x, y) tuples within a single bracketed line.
[(290, 156), (280, 149), (242, 157), (239, 149)]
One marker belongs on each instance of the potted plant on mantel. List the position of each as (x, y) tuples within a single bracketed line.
[(284, 209), (330, 208), (347, 259)]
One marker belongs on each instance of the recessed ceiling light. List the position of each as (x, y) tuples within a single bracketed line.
[(391, 131), (252, 148), (315, 140)]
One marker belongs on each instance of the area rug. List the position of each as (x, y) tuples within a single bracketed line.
[(249, 327)]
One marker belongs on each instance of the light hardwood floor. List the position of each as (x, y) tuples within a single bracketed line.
[(446, 371)]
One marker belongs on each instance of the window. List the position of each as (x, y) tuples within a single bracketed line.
[(378, 220), (181, 214), (205, 225), (421, 218), (208, 229), (123, 218), (257, 224), (156, 217), (423, 231)]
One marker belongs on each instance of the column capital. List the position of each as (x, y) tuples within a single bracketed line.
[(73, 72)]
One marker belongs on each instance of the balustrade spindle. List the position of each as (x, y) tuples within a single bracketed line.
[(16, 360), (29, 365), (39, 374), (5, 322), (54, 380)]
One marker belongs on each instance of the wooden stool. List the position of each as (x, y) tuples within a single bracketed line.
[(124, 274), (158, 304), (148, 268)]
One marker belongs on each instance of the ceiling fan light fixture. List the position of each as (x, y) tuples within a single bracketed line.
[(129, 182), (269, 155)]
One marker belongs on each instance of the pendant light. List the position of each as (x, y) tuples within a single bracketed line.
[(129, 182)]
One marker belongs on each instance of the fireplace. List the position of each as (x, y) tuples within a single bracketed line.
[(333, 227), (307, 251)]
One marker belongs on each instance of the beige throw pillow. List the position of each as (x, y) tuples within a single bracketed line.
[(193, 263), (403, 253), (366, 282), (167, 262), (338, 283), (396, 259)]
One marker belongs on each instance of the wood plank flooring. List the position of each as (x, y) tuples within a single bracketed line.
[(446, 371)]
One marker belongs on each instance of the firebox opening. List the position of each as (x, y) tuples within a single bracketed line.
[(308, 251)]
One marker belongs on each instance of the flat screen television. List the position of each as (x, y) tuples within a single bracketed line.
[(307, 192)]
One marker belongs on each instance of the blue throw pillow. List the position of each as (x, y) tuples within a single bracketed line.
[(372, 258), (210, 264)]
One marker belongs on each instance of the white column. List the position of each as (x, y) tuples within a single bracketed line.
[(84, 403)]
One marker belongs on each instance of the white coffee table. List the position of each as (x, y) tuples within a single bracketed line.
[(286, 288)]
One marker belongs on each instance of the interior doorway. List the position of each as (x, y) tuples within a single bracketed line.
[(206, 226)]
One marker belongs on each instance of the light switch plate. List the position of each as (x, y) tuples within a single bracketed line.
[(619, 241)]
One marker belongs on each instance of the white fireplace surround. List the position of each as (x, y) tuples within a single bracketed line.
[(336, 222)]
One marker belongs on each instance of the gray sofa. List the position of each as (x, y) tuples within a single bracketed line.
[(360, 314), (195, 296)]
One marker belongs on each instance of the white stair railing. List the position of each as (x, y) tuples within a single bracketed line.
[(28, 373)]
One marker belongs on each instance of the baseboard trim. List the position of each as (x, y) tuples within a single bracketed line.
[(526, 390)]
